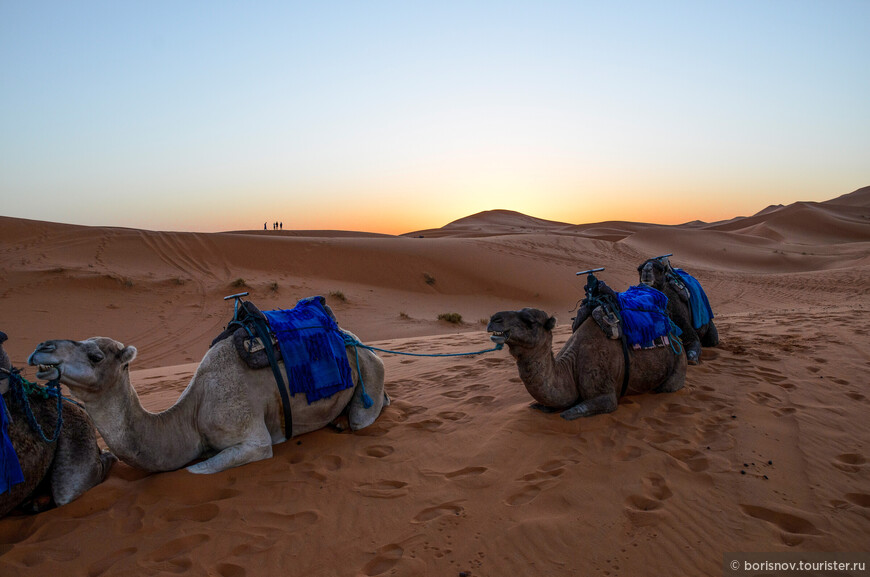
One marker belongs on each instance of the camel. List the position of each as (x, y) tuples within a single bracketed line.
[(229, 414), (654, 273), (66, 468), (586, 377)]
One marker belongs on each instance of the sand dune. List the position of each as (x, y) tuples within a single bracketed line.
[(765, 449)]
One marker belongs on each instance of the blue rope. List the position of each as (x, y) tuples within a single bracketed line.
[(350, 341), (22, 389), (674, 332)]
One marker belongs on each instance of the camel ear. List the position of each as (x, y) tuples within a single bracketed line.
[(551, 322), (127, 355)]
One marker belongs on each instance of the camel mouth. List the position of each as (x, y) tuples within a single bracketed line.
[(500, 337), (48, 371)]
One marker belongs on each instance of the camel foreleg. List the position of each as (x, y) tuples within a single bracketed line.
[(254, 448), (594, 406)]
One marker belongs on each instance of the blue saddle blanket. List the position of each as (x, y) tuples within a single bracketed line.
[(702, 313), (10, 469), (313, 349), (644, 312)]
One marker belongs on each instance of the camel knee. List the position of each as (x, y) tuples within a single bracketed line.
[(593, 406), (107, 461), (234, 456)]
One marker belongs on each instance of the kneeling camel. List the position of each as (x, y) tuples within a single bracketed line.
[(229, 414), (586, 377)]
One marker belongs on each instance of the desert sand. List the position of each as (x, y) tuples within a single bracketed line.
[(765, 449)]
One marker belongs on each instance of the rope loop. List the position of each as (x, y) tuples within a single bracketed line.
[(22, 389)]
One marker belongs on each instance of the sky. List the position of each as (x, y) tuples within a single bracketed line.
[(398, 116)]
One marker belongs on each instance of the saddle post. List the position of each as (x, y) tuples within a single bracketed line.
[(238, 297), (591, 281)]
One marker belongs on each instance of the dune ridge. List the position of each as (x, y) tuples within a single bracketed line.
[(765, 449)]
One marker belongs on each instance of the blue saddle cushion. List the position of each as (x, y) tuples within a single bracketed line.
[(313, 349), (10, 469), (702, 313), (644, 315)]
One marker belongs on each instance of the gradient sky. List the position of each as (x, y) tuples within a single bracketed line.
[(398, 116)]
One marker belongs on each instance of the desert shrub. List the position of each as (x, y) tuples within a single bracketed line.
[(273, 287), (404, 316), (239, 283), (454, 318), (339, 296), (430, 280)]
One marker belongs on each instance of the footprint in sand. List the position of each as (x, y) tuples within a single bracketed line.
[(383, 489), (379, 451), (98, 568), (657, 486), (860, 499), (793, 527), (174, 555), (644, 510), (427, 424), (431, 513), (691, 459), (289, 522), (629, 453), (231, 570), (198, 513), (545, 477), (480, 400), (466, 472), (850, 462), (386, 558)]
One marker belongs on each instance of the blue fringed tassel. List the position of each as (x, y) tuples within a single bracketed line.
[(366, 399)]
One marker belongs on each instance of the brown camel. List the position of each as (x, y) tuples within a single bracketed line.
[(229, 414), (657, 273), (65, 468), (586, 377)]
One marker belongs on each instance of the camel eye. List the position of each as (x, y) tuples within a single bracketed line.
[(96, 357)]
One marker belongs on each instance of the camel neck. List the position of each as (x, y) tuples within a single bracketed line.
[(549, 380), (145, 440)]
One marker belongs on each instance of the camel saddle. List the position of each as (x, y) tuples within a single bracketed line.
[(248, 344)]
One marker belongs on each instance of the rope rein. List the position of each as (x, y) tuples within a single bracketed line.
[(21, 390), (350, 341)]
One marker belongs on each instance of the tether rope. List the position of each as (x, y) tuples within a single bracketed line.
[(21, 390)]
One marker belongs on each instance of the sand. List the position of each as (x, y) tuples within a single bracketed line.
[(765, 449)]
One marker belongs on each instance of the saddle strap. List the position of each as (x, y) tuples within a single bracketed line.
[(263, 332), (627, 373)]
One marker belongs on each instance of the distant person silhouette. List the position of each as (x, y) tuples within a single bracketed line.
[(264, 226), (281, 225)]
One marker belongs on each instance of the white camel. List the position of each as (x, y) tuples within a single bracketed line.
[(229, 414)]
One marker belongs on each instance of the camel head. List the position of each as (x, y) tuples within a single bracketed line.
[(652, 273), (523, 329), (84, 366)]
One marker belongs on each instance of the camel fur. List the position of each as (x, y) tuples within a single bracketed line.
[(64, 469), (653, 272), (229, 414), (585, 378)]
